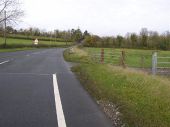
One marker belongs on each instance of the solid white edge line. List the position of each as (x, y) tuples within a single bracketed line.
[(4, 62), (59, 109)]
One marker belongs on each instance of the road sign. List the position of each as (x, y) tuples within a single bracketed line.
[(36, 41)]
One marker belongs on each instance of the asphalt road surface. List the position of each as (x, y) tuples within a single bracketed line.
[(37, 89)]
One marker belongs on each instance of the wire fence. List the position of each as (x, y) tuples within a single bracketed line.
[(159, 64), (121, 58)]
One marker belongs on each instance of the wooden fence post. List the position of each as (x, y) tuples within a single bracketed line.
[(102, 56), (154, 63), (122, 59), (112, 56), (142, 62)]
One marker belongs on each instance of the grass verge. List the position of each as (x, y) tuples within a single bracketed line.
[(16, 49), (143, 100)]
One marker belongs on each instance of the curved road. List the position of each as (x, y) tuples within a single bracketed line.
[(37, 89)]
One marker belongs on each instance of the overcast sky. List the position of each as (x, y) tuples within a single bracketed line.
[(102, 17)]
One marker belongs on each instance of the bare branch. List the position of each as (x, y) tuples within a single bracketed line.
[(12, 9)]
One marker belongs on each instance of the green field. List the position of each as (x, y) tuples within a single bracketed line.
[(133, 57), (42, 38), (142, 99), (21, 43)]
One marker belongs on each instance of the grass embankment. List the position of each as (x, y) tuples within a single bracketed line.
[(133, 57), (144, 100), (22, 43)]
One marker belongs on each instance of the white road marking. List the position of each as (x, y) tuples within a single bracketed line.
[(27, 55), (59, 109), (4, 62)]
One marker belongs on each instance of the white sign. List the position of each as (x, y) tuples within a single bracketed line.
[(36, 41)]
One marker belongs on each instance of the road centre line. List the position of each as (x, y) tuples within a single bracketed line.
[(4, 62), (59, 109)]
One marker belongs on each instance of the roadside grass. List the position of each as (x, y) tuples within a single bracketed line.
[(16, 49), (77, 55), (142, 99), (21, 43), (133, 57)]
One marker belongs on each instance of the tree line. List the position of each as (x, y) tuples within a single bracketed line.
[(145, 39), (75, 35)]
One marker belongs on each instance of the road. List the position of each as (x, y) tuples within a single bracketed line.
[(37, 89)]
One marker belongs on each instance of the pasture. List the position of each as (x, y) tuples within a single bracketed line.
[(22, 43), (133, 57)]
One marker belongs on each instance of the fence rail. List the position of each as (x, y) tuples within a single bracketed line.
[(154, 62), (160, 64)]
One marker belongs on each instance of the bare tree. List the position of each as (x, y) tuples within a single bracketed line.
[(12, 10)]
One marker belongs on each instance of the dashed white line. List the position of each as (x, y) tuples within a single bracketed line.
[(59, 109), (4, 62)]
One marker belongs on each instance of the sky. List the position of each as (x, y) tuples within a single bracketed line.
[(101, 17)]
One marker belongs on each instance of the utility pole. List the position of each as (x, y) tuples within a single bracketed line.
[(55, 35), (50, 36), (5, 30), (65, 38)]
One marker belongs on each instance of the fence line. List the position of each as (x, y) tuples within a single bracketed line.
[(153, 62), (111, 57)]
